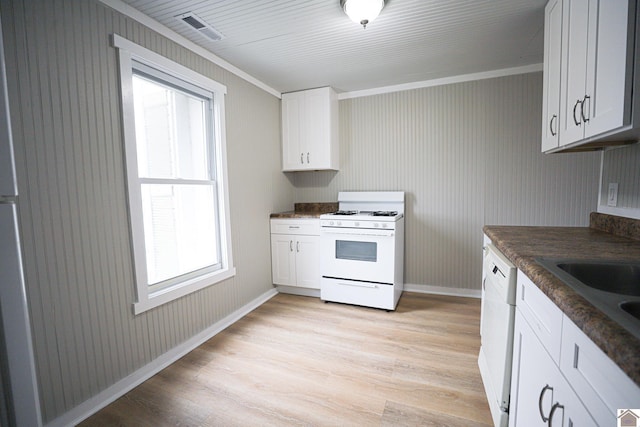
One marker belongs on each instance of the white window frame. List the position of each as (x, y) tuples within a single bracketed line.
[(146, 298)]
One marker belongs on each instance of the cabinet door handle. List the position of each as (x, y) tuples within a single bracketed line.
[(301, 158), (297, 246), (585, 119), (542, 392), (554, 117), (307, 157), (574, 113), (291, 245), (553, 411)]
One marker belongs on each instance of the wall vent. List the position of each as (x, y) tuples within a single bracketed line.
[(198, 24)]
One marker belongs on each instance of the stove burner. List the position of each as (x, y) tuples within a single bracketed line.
[(345, 213), (385, 213)]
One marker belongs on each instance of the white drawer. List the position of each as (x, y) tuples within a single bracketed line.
[(309, 227), (601, 385), (544, 317), (359, 293)]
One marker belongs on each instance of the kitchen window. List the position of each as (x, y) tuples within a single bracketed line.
[(173, 122)]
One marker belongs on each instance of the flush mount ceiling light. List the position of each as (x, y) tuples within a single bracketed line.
[(362, 11)]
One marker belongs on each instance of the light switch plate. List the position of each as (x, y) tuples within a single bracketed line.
[(612, 198)]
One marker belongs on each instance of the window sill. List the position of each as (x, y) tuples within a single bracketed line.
[(164, 296)]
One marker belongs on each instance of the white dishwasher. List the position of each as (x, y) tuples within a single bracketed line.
[(496, 331)]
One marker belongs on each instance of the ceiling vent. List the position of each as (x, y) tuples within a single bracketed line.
[(198, 24)]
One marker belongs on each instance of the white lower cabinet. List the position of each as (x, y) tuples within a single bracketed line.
[(294, 252), (603, 387), (541, 396), (559, 376)]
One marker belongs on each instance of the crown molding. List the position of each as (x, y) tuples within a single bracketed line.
[(443, 81)]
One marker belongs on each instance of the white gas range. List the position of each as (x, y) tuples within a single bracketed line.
[(362, 249)]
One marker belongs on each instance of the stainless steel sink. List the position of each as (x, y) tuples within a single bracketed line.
[(613, 287), (617, 278), (631, 307)]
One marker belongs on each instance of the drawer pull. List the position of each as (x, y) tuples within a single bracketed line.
[(574, 113), (585, 119), (542, 392), (360, 285), (576, 351), (553, 411)]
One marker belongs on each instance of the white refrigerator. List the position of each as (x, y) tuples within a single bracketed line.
[(20, 403)]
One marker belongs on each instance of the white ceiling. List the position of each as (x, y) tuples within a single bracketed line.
[(300, 44)]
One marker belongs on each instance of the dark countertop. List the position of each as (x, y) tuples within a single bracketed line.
[(523, 244), (307, 210)]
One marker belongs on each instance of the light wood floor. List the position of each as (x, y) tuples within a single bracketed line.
[(298, 361)]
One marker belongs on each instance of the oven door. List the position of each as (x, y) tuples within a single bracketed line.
[(358, 254)]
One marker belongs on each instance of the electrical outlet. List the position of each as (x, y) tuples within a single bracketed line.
[(612, 198)]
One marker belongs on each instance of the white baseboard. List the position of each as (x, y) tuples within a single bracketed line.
[(409, 287), (305, 292), (443, 290), (109, 395)]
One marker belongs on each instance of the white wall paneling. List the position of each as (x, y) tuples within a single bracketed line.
[(467, 154), (621, 165), (64, 100)]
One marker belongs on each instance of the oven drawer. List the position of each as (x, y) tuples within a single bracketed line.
[(367, 294)]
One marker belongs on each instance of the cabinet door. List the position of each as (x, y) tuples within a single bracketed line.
[(292, 110), (609, 103), (283, 267), (551, 75), (575, 36), (316, 147), (570, 412), (533, 374), (602, 385), (540, 395), (307, 262)]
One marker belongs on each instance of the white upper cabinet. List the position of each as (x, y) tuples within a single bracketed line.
[(551, 74), (310, 130), (588, 69)]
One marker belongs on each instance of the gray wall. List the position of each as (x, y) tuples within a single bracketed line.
[(622, 165), (467, 155), (64, 96)]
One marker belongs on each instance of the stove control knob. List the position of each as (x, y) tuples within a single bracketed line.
[(330, 222), (357, 224), (375, 224), (339, 223), (384, 225)]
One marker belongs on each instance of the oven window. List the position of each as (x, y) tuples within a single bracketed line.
[(357, 251)]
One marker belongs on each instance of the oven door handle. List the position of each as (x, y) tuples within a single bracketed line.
[(356, 232)]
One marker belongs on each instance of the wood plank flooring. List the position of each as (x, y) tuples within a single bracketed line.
[(296, 361)]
